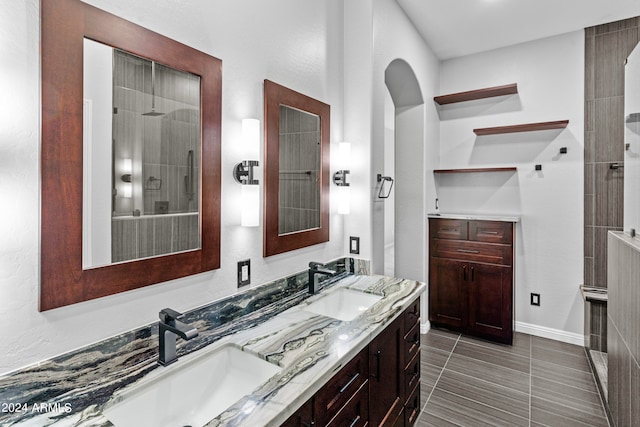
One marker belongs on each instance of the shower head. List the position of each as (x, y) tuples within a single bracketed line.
[(153, 113)]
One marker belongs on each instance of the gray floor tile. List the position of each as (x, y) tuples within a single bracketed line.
[(569, 360), (439, 340), (521, 344), (493, 355), (576, 398), (555, 414), (534, 383), (464, 412), (492, 395), (490, 372), (572, 377), (429, 420)]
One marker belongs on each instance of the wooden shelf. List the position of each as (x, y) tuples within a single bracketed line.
[(471, 95), (528, 127), (505, 169)]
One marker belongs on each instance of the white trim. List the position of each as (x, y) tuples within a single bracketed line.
[(554, 334), (425, 327)]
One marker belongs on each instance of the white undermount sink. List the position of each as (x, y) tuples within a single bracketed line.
[(191, 391), (343, 304)]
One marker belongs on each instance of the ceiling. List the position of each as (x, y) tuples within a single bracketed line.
[(454, 28)]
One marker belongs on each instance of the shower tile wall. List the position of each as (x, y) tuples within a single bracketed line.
[(141, 237), (623, 337), (606, 48), (299, 197)]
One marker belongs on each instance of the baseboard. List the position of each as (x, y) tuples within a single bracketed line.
[(425, 327), (551, 333)]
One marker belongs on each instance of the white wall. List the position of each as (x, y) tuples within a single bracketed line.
[(550, 78), (395, 38), (297, 43)]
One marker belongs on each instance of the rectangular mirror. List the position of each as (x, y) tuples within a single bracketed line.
[(144, 200), (296, 189), (140, 202)]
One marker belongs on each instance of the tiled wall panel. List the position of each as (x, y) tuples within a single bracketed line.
[(623, 338), (606, 48)]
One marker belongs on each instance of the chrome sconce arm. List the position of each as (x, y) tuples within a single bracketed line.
[(243, 172)]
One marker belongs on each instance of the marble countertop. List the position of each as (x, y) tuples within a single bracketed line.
[(484, 217), (309, 348)]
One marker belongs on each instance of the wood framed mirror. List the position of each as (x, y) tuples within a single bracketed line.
[(66, 275), (296, 184)]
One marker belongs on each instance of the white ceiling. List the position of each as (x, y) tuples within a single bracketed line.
[(454, 28)]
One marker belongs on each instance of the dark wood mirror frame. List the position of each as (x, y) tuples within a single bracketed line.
[(64, 25), (276, 95)]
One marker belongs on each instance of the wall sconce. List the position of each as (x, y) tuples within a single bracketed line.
[(340, 178), (127, 168), (243, 173)]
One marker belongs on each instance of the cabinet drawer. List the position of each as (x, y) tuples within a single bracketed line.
[(355, 413), (412, 315), (412, 374), (491, 231), (412, 408), (455, 229), (412, 342), (472, 251), (341, 387)]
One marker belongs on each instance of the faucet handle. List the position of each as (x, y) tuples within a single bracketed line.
[(168, 315), (314, 265)]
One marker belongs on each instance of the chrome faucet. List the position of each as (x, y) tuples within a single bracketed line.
[(169, 329), (316, 269)]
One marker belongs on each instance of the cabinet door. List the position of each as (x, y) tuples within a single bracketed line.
[(490, 301), (385, 371), (303, 417), (447, 296)]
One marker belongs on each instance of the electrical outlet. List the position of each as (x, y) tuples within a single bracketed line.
[(535, 299), (244, 272), (354, 245)]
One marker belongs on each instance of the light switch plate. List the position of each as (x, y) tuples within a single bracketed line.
[(244, 272), (535, 299), (354, 245)]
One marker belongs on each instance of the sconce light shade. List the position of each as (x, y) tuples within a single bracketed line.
[(250, 214)]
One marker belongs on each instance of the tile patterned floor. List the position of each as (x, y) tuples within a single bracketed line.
[(536, 382)]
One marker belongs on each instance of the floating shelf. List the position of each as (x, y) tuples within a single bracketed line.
[(506, 169), (471, 95), (528, 127)]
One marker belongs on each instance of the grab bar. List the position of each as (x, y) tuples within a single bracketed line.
[(188, 180)]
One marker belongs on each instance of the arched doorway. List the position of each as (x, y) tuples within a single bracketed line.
[(404, 209)]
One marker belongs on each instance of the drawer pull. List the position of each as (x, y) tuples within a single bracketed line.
[(468, 251), (346, 386), (355, 421), (414, 313), (489, 232), (415, 341), (377, 375), (311, 424)]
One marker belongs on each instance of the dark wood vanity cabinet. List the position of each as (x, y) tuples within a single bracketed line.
[(471, 277), (378, 387)]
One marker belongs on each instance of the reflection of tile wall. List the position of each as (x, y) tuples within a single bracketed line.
[(299, 198), (623, 337), (141, 237), (160, 144)]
